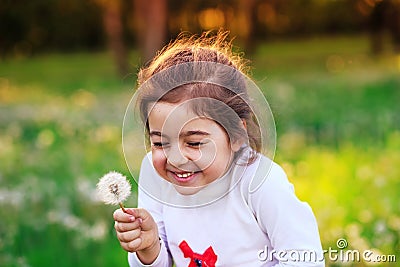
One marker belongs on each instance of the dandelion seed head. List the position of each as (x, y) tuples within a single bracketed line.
[(113, 188)]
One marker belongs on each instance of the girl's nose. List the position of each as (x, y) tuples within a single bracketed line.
[(176, 157)]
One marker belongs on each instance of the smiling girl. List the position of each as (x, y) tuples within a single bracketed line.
[(207, 195)]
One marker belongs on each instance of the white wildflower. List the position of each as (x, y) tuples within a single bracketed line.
[(113, 188)]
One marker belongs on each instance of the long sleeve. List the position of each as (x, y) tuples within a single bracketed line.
[(155, 208), (289, 223), (163, 259)]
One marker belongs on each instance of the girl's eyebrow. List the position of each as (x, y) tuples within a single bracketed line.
[(155, 133), (196, 132), (182, 134)]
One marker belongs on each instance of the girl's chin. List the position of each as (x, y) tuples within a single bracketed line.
[(187, 190)]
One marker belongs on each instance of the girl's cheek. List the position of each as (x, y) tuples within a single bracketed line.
[(159, 158), (205, 157), (195, 155)]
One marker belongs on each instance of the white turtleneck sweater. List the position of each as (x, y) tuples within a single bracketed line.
[(250, 217)]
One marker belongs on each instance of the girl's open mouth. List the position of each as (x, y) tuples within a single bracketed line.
[(184, 177)]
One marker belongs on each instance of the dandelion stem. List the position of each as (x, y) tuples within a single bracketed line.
[(122, 207)]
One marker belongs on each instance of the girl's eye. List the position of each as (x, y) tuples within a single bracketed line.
[(158, 144), (195, 144)]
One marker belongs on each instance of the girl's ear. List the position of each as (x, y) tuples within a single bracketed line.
[(237, 144), (244, 124)]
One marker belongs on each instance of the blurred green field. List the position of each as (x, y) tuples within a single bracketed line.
[(338, 123)]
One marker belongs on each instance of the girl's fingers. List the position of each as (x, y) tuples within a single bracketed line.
[(147, 221), (136, 229), (125, 227), (132, 246), (127, 237), (121, 216)]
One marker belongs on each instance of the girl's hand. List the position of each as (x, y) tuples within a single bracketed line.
[(137, 232)]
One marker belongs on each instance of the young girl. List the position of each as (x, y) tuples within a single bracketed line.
[(207, 196)]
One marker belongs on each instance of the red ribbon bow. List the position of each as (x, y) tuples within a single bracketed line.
[(208, 259)]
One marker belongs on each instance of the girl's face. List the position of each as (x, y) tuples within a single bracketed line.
[(188, 150)]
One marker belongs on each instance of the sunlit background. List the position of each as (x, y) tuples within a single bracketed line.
[(330, 70)]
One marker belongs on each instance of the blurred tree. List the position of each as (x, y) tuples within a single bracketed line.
[(384, 18), (376, 25), (237, 16), (28, 27), (394, 24), (114, 30), (151, 26), (247, 20)]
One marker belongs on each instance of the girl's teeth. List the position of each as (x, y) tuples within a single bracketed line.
[(184, 175)]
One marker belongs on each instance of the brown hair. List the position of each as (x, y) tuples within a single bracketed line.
[(201, 49)]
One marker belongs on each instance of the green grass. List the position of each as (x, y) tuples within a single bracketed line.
[(338, 125)]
